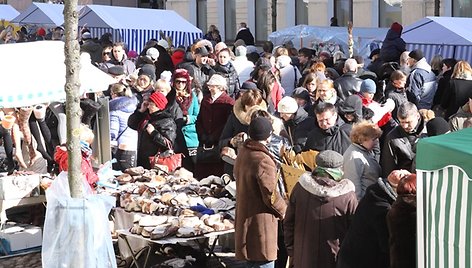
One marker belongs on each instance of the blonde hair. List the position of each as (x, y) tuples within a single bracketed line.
[(462, 70), (162, 84), (364, 131), (121, 90), (279, 51), (86, 134)]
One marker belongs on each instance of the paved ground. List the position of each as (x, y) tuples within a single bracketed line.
[(33, 260)]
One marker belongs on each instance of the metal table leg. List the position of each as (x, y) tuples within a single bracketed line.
[(136, 255)]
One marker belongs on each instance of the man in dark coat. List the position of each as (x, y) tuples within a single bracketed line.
[(156, 128), (296, 121), (200, 69), (92, 47), (366, 242), (245, 34), (348, 83), (331, 133), (399, 150), (319, 214), (259, 203)]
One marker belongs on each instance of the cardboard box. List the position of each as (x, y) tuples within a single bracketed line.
[(16, 187), (16, 237)]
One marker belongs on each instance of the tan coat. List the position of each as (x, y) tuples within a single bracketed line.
[(257, 209)]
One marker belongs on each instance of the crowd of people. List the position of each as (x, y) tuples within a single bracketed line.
[(233, 110)]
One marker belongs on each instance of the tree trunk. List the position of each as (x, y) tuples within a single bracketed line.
[(72, 61)]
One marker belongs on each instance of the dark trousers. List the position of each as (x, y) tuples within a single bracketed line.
[(124, 159)]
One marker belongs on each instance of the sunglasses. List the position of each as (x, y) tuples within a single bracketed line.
[(180, 81), (106, 53)]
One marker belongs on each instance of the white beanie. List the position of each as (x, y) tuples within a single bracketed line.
[(287, 105)]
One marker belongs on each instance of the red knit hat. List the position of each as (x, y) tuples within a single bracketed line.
[(397, 27), (159, 99)]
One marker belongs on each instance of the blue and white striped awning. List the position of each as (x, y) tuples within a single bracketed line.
[(136, 26), (445, 36), (446, 51)]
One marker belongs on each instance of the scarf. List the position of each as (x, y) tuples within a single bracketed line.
[(335, 173)]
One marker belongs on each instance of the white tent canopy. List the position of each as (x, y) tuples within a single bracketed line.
[(450, 37), (36, 73), (314, 36), (8, 12), (42, 14), (135, 26)]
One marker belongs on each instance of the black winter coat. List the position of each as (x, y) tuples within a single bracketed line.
[(401, 222), (298, 129), (366, 242), (399, 150), (173, 108), (232, 78), (157, 141), (347, 84), (459, 93), (335, 138), (443, 87), (392, 47), (201, 74)]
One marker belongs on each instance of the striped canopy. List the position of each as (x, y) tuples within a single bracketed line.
[(444, 200), (135, 26), (34, 72), (446, 36)]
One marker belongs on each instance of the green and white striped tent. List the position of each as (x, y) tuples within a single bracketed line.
[(444, 200)]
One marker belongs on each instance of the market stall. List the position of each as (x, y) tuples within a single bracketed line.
[(161, 208), (135, 26), (446, 36), (444, 207)]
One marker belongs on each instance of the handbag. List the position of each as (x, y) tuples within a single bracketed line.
[(169, 158), (114, 148), (207, 155)]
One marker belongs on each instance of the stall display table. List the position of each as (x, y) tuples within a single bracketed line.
[(200, 240), (6, 204)]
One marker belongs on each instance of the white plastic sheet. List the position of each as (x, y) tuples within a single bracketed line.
[(76, 231)]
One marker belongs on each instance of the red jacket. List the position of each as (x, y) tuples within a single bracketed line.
[(61, 158)]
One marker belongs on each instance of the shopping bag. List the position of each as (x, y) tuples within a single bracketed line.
[(290, 175), (169, 158)]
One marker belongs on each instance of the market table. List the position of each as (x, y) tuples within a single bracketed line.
[(6, 204), (125, 234)]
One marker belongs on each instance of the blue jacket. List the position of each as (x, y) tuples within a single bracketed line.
[(120, 110), (422, 83), (189, 130)]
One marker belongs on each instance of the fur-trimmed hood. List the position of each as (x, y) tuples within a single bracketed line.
[(325, 188), (422, 64), (244, 116), (124, 104)]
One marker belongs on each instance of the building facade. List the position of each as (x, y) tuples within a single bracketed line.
[(266, 16)]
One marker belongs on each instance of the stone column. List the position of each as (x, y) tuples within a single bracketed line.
[(319, 13), (363, 13), (413, 10)]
